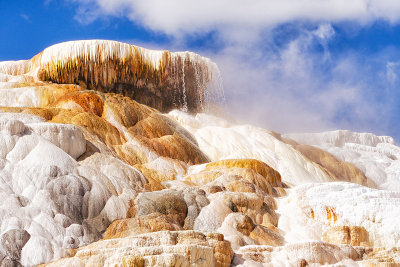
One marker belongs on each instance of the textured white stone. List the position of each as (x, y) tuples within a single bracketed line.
[(315, 253), (211, 216), (222, 140), (19, 97), (60, 202), (14, 67), (377, 211), (67, 137), (57, 200)]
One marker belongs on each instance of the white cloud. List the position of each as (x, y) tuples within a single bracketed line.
[(287, 89), (324, 32), (25, 17), (192, 16), (285, 86)]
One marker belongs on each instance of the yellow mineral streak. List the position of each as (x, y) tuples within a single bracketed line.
[(331, 216), (272, 176), (163, 169), (338, 170), (382, 257), (87, 60), (238, 175), (348, 235), (51, 93), (153, 130), (89, 101), (144, 224)]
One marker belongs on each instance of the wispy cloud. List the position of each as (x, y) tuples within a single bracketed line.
[(25, 17), (392, 71), (294, 87), (324, 33)]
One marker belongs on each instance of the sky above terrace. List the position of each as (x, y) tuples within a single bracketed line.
[(287, 65)]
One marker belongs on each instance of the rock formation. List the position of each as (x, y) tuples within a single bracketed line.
[(92, 173), (160, 79)]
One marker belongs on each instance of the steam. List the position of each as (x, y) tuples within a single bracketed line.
[(299, 87)]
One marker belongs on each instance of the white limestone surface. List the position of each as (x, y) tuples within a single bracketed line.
[(219, 139), (311, 209), (50, 201), (19, 97)]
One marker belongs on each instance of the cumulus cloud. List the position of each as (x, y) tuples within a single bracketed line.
[(275, 57), (193, 16)]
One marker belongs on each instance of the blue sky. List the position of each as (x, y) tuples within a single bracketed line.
[(28, 27), (285, 66)]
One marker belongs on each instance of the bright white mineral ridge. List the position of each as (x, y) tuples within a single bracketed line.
[(378, 211), (222, 140)]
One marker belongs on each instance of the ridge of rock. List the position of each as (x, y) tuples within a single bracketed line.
[(160, 79)]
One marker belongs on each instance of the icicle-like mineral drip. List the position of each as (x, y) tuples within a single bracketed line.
[(199, 84), (161, 79), (175, 81), (185, 105)]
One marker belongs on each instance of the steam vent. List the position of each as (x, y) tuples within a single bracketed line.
[(109, 157)]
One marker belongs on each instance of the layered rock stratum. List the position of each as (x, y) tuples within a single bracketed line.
[(109, 157)]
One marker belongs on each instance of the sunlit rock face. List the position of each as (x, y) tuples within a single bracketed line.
[(220, 139), (332, 223), (309, 253), (141, 136), (318, 208), (339, 170), (92, 173), (314, 208), (160, 79), (51, 201), (164, 248), (376, 156)]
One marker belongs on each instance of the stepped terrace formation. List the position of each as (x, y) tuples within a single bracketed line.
[(109, 158)]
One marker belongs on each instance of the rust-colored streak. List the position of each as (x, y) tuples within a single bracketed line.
[(331, 214)]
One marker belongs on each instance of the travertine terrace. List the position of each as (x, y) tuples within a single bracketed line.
[(109, 158), (160, 79)]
